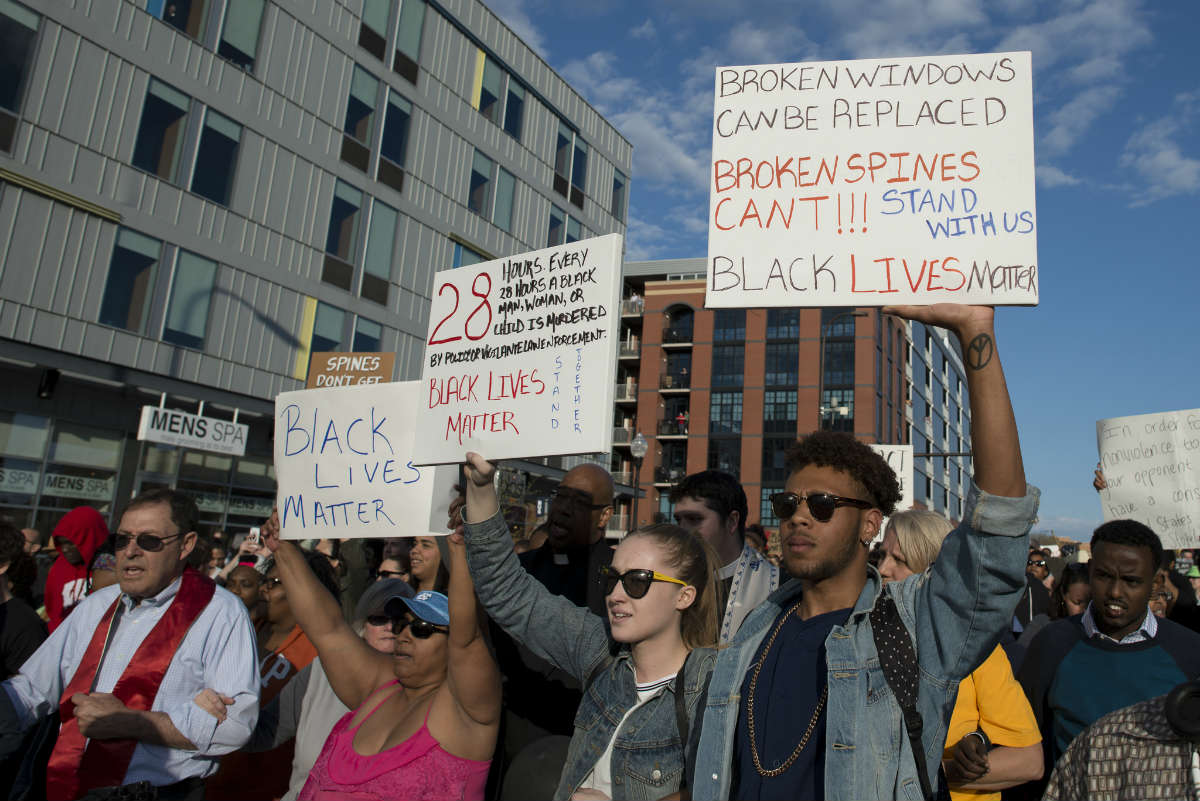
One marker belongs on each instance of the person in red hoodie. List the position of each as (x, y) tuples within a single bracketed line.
[(77, 536)]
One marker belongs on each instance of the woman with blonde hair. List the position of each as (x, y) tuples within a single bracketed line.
[(993, 741), (643, 670)]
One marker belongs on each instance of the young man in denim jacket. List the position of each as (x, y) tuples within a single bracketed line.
[(826, 724)]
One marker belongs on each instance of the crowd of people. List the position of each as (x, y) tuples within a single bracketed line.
[(929, 662)]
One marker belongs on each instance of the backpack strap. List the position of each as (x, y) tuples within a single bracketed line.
[(898, 660)]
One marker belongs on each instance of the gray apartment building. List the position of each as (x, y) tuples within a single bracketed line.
[(196, 195)]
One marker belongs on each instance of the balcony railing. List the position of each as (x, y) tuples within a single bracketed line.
[(622, 436), (622, 477), (630, 349), (626, 392), (676, 336), (669, 475), (672, 428), (633, 307), (618, 523), (675, 381)]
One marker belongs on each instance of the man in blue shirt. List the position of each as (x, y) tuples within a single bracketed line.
[(124, 667), (798, 706)]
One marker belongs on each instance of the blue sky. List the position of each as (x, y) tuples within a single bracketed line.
[(1117, 130)]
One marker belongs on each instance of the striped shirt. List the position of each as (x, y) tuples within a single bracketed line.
[(218, 652), (1146, 631)]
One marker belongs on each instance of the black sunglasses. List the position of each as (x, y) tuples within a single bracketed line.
[(147, 542), (421, 629), (636, 582), (390, 573), (577, 497), (1036, 563), (821, 505), (272, 582)]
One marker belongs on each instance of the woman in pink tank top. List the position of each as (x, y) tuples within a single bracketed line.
[(426, 716)]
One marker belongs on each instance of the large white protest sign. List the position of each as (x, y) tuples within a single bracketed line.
[(344, 464), (872, 182), (900, 459), (1151, 463), (520, 356)]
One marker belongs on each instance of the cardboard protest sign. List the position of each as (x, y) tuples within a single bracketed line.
[(872, 182), (1151, 463), (344, 464), (332, 369), (521, 353)]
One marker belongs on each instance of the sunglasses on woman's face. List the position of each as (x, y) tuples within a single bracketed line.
[(147, 542), (636, 582), (391, 573), (821, 505), (421, 629)]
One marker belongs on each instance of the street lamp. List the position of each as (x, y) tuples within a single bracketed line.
[(821, 364), (638, 448)]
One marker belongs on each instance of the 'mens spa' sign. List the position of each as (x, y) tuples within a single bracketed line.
[(173, 427)]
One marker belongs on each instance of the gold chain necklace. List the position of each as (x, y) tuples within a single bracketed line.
[(812, 724)]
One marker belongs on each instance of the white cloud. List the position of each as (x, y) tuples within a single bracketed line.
[(1154, 153), (1069, 121), (1049, 177), (644, 31)]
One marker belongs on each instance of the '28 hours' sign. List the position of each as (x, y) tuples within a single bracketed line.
[(520, 353)]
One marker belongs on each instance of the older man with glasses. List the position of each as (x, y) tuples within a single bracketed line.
[(124, 668)]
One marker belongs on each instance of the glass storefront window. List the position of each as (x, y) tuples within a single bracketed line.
[(23, 435), (84, 445), (206, 466)]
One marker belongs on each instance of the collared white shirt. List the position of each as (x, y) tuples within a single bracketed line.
[(1146, 631), (219, 652)]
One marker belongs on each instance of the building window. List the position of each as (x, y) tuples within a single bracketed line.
[(574, 230), (465, 256), (341, 244), (618, 195), (496, 206), (570, 164), (160, 134), (782, 364), (239, 32), (130, 281), (774, 460), (766, 511), (360, 113), (679, 369), (725, 454), (514, 109), (368, 336), (328, 329), (728, 365), (838, 408), (372, 34), (839, 363), (729, 325), (18, 33), (779, 411), (377, 266), (408, 39), (191, 292), (725, 413), (394, 145), (489, 99), (186, 15), (783, 324), (558, 226), (212, 177)]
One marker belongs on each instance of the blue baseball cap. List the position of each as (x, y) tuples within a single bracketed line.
[(430, 606)]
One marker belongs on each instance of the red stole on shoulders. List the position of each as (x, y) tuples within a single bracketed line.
[(77, 764)]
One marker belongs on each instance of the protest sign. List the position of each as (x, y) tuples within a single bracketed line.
[(1151, 463), (344, 466), (520, 356), (344, 369), (900, 459), (873, 182)]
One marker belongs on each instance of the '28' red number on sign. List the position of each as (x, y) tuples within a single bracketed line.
[(483, 305)]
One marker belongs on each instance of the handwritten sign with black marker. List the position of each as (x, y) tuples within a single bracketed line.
[(872, 182), (521, 354), (1151, 463), (344, 464)]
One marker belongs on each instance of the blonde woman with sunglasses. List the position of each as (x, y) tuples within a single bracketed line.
[(643, 669)]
